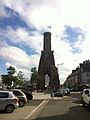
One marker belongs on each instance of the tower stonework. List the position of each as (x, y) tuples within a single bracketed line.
[(47, 66)]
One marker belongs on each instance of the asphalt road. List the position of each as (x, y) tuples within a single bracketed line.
[(20, 113), (68, 108)]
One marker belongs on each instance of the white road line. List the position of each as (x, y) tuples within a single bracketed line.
[(41, 105)]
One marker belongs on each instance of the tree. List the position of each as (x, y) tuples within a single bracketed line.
[(20, 78), (10, 77), (11, 70), (7, 80), (34, 76)]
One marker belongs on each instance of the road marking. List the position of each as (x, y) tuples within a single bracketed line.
[(80, 104), (42, 105), (39, 108)]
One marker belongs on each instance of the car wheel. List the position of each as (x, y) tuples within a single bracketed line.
[(83, 103), (9, 109), (21, 103), (89, 106)]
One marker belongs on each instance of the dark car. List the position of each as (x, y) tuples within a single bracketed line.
[(58, 94), (28, 94)]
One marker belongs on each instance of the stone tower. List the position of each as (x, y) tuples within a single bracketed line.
[(48, 72)]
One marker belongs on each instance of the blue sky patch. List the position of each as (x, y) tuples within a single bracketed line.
[(71, 35), (28, 50), (3, 66), (13, 19)]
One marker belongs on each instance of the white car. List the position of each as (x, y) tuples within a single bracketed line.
[(86, 97), (8, 101), (66, 91)]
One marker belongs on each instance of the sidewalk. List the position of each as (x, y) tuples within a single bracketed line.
[(42, 96)]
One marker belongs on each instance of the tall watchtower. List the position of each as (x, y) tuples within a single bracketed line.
[(47, 70), (47, 41)]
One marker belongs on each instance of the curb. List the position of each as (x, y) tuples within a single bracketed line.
[(36, 111)]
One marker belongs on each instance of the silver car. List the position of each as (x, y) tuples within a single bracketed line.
[(8, 101), (21, 96)]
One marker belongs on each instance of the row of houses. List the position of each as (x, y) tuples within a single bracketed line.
[(80, 77)]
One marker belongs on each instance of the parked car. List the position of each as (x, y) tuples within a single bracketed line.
[(21, 96), (66, 91), (28, 94), (86, 97), (8, 102), (58, 94)]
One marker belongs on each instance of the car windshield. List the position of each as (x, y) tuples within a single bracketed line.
[(17, 93)]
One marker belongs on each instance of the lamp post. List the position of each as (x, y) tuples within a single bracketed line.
[(58, 66)]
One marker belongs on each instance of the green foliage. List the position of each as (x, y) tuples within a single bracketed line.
[(7, 80), (34, 76), (10, 77), (20, 78), (11, 70)]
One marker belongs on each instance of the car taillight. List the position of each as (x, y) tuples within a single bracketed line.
[(16, 100)]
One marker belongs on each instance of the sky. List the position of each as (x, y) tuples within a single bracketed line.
[(23, 22)]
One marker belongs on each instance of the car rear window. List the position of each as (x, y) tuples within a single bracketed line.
[(17, 93), (4, 95)]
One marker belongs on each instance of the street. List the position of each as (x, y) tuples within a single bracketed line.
[(20, 113), (56, 108), (68, 108)]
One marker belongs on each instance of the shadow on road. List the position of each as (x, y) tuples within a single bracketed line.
[(34, 102), (74, 113), (2, 112), (75, 95)]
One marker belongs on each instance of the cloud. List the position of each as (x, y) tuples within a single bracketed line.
[(15, 55), (22, 36), (74, 36), (59, 13), (18, 58), (2, 11)]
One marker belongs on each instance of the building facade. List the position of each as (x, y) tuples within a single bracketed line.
[(79, 77)]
